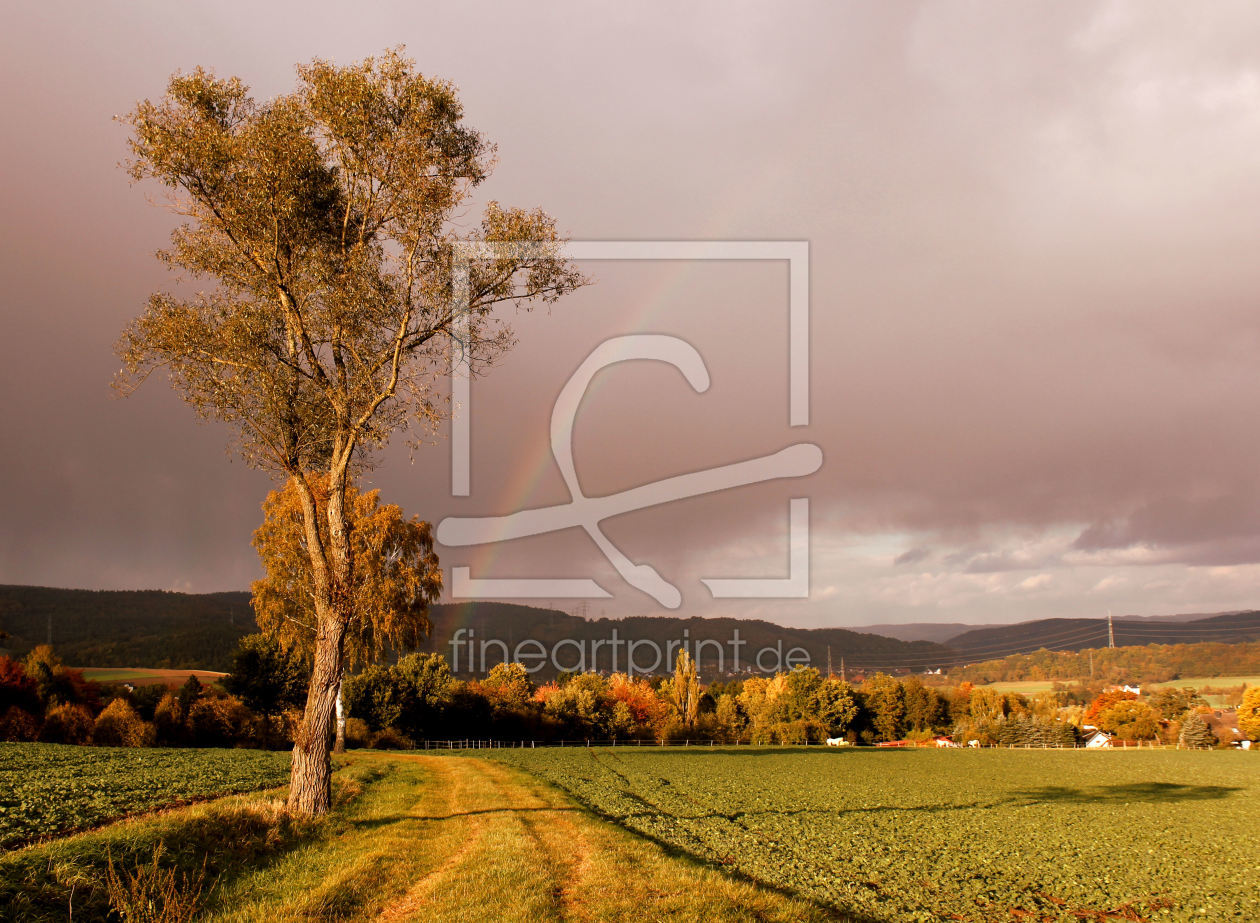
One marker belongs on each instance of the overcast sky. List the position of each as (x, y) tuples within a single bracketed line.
[(1035, 340)]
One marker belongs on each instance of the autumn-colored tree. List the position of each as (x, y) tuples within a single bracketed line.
[(324, 218), (684, 689), (643, 705), (1249, 713), (1105, 701), (798, 697), (835, 706), (67, 723), (758, 701), (1130, 719), (988, 706), (1172, 702), (508, 686), (119, 725), (17, 687), (17, 724), (395, 577), (730, 720), (886, 705)]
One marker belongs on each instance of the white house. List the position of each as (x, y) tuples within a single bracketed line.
[(1098, 739)]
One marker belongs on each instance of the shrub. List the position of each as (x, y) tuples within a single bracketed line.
[(168, 717), (18, 724), (67, 724), (120, 725), (391, 739), (218, 721), (358, 734), (16, 687), (673, 730)]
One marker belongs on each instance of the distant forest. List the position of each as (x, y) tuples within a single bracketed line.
[(154, 628), (1150, 663), (127, 628)]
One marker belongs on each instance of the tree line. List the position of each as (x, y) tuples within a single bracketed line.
[(417, 698)]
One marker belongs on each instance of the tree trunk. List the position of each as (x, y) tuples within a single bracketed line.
[(310, 781), (310, 778), (340, 745)]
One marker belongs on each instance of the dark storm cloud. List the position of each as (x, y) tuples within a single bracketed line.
[(1032, 240)]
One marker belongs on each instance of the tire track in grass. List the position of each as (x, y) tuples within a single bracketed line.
[(605, 872), (472, 827), (564, 850)]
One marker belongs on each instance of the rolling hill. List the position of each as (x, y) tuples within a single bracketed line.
[(153, 628), (512, 624), (997, 641), (127, 628)]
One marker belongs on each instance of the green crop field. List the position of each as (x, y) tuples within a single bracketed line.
[(929, 835), (47, 789)]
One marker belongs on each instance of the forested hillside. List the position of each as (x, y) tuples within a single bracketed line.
[(513, 624), (1082, 634), (1151, 663), (153, 628), (127, 628)]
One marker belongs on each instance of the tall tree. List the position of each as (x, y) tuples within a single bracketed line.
[(684, 689), (886, 704), (1249, 713), (323, 218), (1195, 733), (835, 706)]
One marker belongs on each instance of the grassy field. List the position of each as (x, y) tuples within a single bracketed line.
[(414, 837), (47, 789), (144, 676), (1218, 681), (1032, 687), (749, 834), (1023, 687), (931, 835)]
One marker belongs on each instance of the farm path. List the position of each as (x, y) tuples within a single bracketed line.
[(491, 842), (452, 838)]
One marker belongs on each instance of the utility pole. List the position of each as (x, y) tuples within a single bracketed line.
[(1111, 631), (843, 677), (1091, 663)]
